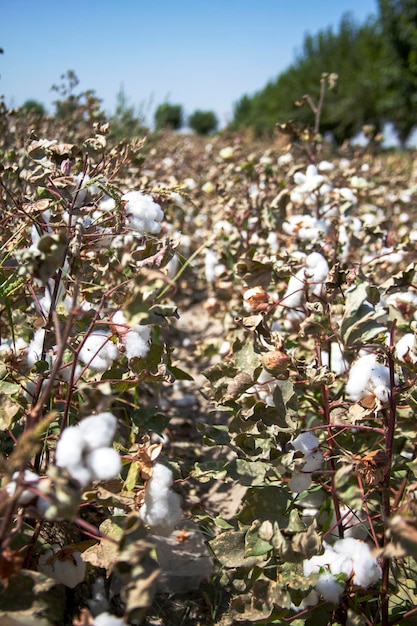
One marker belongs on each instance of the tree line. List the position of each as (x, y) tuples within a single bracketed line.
[(366, 73)]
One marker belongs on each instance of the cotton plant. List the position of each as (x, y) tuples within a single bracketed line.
[(161, 509)]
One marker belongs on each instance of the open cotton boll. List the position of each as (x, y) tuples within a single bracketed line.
[(405, 348), (98, 352), (66, 567), (29, 477), (366, 570), (98, 431), (143, 214), (335, 361), (106, 619), (329, 587), (104, 463), (161, 509), (136, 342), (366, 376), (299, 481), (305, 443), (313, 461), (69, 448), (34, 351)]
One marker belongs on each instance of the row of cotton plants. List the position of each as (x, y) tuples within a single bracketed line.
[(307, 416)]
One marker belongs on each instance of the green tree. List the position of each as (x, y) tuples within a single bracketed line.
[(203, 122), (125, 123), (168, 116), (399, 26), (33, 106)]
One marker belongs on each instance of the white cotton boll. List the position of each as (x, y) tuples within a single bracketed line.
[(143, 214), (161, 512), (136, 342), (325, 166), (305, 443), (98, 352), (106, 619), (367, 377), (66, 568), (313, 461), (336, 361), (26, 496), (161, 509), (104, 463), (366, 570), (34, 351), (405, 348), (80, 473), (294, 296), (285, 159), (210, 263), (98, 430), (15, 346), (299, 481), (70, 447), (162, 478), (329, 587)]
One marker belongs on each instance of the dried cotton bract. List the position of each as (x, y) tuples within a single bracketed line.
[(161, 509)]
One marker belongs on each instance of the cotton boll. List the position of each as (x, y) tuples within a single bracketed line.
[(299, 481), (80, 473), (313, 461), (104, 463), (364, 565), (69, 448), (162, 478), (405, 348), (106, 619), (66, 567), (162, 513), (329, 587), (27, 495), (366, 376), (98, 352), (143, 214), (161, 509), (336, 361), (98, 430), (136, 342), (35, 348), (305, 443)]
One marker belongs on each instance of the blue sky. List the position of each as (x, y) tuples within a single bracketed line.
[(200, 54)]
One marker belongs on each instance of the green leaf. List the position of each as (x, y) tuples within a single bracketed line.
[(247, 473)]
